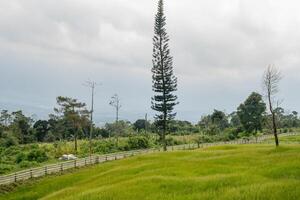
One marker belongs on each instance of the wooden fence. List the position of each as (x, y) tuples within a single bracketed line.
[(97, 159)]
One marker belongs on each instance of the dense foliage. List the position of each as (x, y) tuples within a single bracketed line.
[(25, 142)]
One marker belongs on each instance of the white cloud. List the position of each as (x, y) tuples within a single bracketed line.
[(220, 50)]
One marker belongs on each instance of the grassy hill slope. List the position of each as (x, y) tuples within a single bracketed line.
[(234, 172)]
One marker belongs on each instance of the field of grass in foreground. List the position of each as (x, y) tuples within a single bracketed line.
[(234, 172)]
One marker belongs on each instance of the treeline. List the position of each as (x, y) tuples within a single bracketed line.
[(70, 122), (249, 119)]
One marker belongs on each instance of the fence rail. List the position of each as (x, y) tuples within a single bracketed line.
[(97, 159)]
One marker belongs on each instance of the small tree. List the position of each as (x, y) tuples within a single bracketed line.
[(21, 127), (5, 118), (271, 79), (41, 128), (164, 81), (119, 129), (234, 120), (75, 114), (251, 113), (141, 124), (219, 119)]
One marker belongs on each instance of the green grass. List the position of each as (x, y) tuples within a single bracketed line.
[(236, 172)]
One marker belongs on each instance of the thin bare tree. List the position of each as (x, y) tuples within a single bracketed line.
[(115, 102), (271, 79), (92, 85)]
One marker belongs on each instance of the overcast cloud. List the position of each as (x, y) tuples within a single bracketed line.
[(220, 47)]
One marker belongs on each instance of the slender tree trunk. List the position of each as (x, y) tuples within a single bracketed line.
[(274, 126), (275, 129), (164, 136), (117, 114), (91, 127)]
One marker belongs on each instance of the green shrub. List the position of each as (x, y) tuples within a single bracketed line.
[(203, 139), (138, 142), (20, 157), (37, 155), (12, 151), (106, 146), (28, 164), (172, 141), (8, 141), (4, 168), (50, 137)]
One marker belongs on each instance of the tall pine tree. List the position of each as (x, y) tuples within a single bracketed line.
[(164, 81)]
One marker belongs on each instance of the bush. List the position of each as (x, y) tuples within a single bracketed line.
[(212, 130), (20, 157), (4, 168), (11, 151), (172, 141), (37, 155), (232, 133), (8, 141), (28, 164), (50, 137), (138, 142), (107, 146), (203, 139)]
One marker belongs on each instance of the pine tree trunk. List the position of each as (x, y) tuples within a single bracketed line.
[(164, 136)]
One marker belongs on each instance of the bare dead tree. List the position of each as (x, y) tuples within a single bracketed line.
[(271, 79), (115, 102), (92, 85), (146, 121)]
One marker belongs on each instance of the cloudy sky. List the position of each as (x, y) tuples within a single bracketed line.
[(220, 48)]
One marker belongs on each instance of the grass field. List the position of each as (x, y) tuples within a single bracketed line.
[(227, 172)]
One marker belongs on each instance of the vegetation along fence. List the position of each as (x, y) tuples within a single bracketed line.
[(96, 159)]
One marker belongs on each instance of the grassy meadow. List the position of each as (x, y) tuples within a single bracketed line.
[(16, 158), (232, 172)]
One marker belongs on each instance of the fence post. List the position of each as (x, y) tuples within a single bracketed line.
[(16, 177), (106, 158), (75, 164), (115, 157), (46, 170), (31, 176), (97, 161), (61, 168), (84, 161)]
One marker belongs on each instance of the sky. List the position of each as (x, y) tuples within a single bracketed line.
[(221, 49)]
